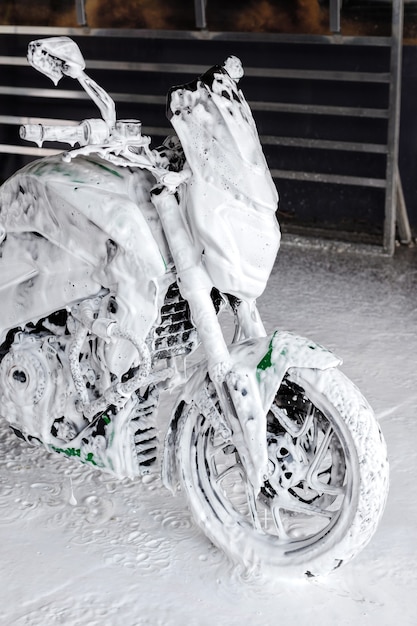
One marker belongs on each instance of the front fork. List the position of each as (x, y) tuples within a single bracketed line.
[(238, 394), (193, 281)]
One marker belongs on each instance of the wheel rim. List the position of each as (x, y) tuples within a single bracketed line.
[(311, 484)]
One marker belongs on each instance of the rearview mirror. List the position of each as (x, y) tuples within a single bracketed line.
[(56, 57)]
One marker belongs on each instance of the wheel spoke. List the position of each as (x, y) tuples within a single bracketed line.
[(295, 521), (289, 425), (202, 462), (240, 479), (279, 524), (285, 422), (308, 423), (221, 445), (313, 473), (220, 477), (296, 506), (253, 510)]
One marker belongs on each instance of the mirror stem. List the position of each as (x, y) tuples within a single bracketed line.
[(101, 98)]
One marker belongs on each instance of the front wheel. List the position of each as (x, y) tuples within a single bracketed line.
[(327, 483)]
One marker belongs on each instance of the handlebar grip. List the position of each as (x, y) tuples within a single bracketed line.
[(92, 131), (38, 133)]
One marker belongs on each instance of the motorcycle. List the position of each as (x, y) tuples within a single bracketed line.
[(117, 260)]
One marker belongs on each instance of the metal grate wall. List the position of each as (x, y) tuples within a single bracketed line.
[(327, 110)]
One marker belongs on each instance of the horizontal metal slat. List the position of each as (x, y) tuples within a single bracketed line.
[(13, 61), (261, 72), (313, 109), (277, 107), (69, 94), (329, 178), (195, 70), (31, 92), (331, 75), (323, 144), (335, 39), (73, 94), (27, 150), (17, 120), (129, 66)]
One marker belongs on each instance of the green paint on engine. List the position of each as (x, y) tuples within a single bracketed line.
[(76, 452)]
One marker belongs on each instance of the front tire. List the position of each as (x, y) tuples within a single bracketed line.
[(327, 486)]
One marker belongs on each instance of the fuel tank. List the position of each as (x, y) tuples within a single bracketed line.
[(69, 229)]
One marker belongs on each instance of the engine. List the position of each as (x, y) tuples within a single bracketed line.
[(38, 397), (40, 400), (58, 389)]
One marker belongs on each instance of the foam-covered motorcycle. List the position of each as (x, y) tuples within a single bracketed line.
[(116, 260)]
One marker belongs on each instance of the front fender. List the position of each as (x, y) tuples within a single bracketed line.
[(285, 351), (261, 362)]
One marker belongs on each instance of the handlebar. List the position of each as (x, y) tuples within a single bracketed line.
[(89, 131)]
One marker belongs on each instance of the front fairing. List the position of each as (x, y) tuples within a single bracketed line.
[(231, 199)]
